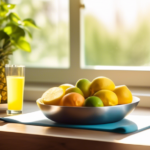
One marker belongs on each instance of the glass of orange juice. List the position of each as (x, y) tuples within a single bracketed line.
[(15, 78)]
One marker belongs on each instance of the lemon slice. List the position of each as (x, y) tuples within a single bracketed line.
[(53, 96), (66, 86)]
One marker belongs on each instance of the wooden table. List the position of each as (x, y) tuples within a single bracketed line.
[(25, 137)]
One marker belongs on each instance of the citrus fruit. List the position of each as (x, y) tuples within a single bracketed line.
[(73, 99), (66, 86), (124, 94), (93, 101), (53, 96), (41, 101), (108, 97), (83, 85), (101, 83), (74, 89)]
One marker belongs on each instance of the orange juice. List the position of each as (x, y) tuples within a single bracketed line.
[(15, 90)]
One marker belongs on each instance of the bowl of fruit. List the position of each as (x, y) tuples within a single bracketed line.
[(95, 102)]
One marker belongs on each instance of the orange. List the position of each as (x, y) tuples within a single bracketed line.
[(124, 94), (101, 83), (53, 96), (108, 97), (73, 99)]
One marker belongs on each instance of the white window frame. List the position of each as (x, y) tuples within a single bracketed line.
[(128, 77)]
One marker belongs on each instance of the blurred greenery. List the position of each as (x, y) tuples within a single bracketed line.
[(13, 29), (120, 49), (50, 45)]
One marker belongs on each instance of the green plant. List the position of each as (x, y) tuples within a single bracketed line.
[(13, 29), (14, 33)]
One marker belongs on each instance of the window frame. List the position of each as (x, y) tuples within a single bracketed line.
[(138, 78)]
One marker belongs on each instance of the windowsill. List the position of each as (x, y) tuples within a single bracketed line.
[(35, 91)]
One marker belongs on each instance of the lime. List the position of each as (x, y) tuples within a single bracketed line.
[(93, 101), (84, 85), (74, 89)]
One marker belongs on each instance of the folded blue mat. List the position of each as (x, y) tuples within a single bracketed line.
[(37, 118)]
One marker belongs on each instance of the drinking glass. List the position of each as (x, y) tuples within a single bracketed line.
[(15, 78)]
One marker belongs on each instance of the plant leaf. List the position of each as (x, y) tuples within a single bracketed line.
[(28, 32), (23, 44), (3, 11), (30, 23), (3, 35), (14, 18), (9, 6), (14, 31)]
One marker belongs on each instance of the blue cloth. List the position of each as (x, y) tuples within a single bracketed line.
[(124, 126)]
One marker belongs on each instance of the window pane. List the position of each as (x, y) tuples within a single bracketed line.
[(50, 43), (117, 33)]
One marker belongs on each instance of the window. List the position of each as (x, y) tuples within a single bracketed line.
[(117, 33), (131, 76), (50, 44)]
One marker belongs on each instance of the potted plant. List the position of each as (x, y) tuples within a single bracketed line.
[(13, 36)]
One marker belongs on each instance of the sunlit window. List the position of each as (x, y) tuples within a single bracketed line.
[(116, 33), (50, 43)]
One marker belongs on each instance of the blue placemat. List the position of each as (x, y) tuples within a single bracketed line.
[(37, 118)]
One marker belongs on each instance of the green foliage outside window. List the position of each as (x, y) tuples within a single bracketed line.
[(13, 29), (123, 48)]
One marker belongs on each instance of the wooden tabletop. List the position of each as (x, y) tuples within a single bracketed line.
[(19, 136)]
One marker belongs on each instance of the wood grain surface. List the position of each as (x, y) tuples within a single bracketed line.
[(18, 141)]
